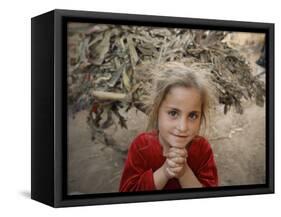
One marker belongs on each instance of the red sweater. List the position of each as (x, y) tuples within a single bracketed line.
[(145, 156)]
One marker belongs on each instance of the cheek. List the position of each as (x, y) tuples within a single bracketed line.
[(164, 122), (196, 126)]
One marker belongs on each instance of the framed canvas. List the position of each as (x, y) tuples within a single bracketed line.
[(120, 111)]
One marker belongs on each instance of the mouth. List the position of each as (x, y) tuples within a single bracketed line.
[(180, 136)]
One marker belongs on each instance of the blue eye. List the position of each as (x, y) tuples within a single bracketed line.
[(193, 116), (173, 113)]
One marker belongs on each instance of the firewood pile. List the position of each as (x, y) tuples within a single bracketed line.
[(109, 68)]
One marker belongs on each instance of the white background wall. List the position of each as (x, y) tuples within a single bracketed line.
[(15, 106)]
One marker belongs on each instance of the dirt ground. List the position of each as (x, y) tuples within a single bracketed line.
[(238, 143)]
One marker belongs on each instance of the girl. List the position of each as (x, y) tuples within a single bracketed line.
[(171, 155)]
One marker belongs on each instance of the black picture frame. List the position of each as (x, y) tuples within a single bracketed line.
[(49, 99)]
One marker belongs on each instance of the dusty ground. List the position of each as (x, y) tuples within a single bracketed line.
[(239, 147), (238, 142), (94, 167)]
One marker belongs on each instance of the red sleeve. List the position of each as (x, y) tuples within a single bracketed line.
[(136, 176), (207, 171)]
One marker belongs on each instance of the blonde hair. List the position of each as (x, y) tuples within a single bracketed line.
[(174, 74)]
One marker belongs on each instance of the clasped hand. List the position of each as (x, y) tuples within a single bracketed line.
[(175, 164)]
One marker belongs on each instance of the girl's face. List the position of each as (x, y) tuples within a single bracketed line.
[(179, 117)]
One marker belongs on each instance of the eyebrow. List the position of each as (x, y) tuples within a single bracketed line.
[(194, 112), (173, 108)]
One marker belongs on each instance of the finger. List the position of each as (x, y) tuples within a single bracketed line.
[(178, 145), (178, 160), (171, 163), (170, 173), (171, 154), (178, 152), (176, 170)]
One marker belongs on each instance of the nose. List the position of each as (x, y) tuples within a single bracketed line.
[(183, 125)]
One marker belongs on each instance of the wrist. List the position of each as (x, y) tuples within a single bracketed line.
[(164, 172), (186, 168), (160, 178), (188, 179)]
